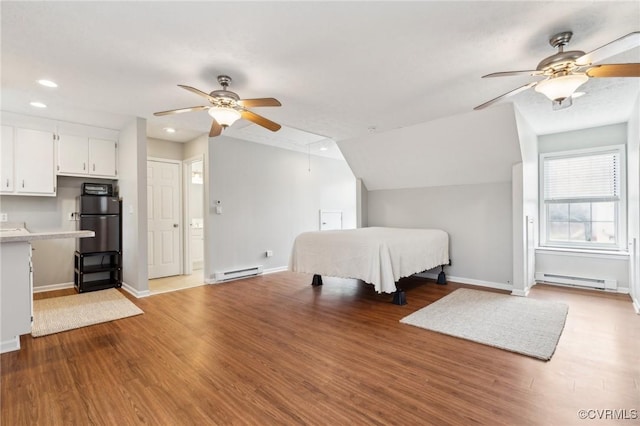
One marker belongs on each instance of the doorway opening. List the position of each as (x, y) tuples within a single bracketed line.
[(187, 228)]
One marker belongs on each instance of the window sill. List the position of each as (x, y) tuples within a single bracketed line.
[(606, 254)]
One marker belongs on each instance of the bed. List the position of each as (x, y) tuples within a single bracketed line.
[(375, 255)]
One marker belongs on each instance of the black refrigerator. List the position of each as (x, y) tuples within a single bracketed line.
[(98, 260)]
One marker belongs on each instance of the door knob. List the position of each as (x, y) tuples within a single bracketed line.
[(175, 225)]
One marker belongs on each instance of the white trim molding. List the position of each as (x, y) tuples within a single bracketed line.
[(136, 293), (10, 345), (52, 287), (462, 280)]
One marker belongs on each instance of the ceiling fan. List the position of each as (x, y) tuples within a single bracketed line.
[(565, 71), (227, 107)]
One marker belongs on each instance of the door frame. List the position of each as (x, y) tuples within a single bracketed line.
[(186, 234), (179, 209)]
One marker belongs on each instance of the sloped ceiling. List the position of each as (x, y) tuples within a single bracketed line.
[(476, 147), (339, 68)]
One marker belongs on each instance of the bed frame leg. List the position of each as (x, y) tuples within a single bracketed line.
[(317, 280), (399, 298), (442, 279)]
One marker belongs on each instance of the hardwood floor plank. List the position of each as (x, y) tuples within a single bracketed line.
[(274, 350)]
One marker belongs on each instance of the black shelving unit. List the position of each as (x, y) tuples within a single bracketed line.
[(97, 271)]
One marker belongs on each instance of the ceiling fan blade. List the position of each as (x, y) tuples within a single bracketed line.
[(260, 120), (510, 73), (198, 92), (216, 129), (614, 70), (620, 45), (259, 102), (181, 110), (506, 95)]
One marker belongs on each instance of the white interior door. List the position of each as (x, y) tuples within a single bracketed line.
[(330, 220), (163, 206)]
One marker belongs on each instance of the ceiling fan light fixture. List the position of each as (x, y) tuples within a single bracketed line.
[(224, 116), (559, 88)]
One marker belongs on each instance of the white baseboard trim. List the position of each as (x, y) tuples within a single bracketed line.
[(636, 306), (521, 293), (274, 270), (10, 345), (52, 287), (135, 292), (462, 280)]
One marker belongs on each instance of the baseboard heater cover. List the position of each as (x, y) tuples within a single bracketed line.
[(238, 273), (608, 284)]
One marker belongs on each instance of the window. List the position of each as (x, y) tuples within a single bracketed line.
[(582, 198)]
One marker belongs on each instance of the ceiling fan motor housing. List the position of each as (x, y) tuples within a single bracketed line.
[(224, 98), (561, 61)]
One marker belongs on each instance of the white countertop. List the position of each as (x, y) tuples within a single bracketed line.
[(18, 233)]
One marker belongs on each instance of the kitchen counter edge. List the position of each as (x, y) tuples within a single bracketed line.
[(35, 236)]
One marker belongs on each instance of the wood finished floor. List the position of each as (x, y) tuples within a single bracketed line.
[(274, 350), (179, 282)]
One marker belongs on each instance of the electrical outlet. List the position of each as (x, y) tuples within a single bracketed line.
[(269, 253), (4, 217)]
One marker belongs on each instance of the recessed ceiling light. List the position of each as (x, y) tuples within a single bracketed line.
[(169, 130), (47, 83), (324, 148), (37, 104)]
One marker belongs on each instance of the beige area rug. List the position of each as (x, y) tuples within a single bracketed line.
[(517, 324), (80, 310)]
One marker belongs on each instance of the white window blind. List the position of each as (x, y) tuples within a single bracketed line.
[(594, 177)]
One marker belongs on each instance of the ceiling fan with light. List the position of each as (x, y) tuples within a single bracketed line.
[(227, 107), (565, 71)]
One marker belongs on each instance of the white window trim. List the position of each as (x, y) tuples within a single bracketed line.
[(622, 205)]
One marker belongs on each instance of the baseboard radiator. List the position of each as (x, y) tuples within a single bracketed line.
[(601, 283), (238, 273)]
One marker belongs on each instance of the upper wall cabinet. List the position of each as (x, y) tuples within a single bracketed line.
[(82, 156), (27, 162), (7, 177)]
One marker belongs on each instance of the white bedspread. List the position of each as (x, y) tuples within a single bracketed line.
[(379, 256)]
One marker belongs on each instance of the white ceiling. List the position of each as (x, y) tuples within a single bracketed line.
[(340, 69)]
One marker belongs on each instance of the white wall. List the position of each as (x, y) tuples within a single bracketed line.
[(132, 157), (525, 208), (268, 196), (160, 148), (633, 202), (477, 218), (362, 204), (602, 266), (614, 134)]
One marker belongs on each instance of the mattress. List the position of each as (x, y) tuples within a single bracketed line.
[(375, 255)]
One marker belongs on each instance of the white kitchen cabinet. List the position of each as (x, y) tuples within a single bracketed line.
[(16, 299), (82, 156), (103, 157), (33, 162), (6, 173), (73, 155)]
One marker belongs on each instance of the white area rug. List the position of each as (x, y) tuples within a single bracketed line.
[(518, 324), (80, 310)]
